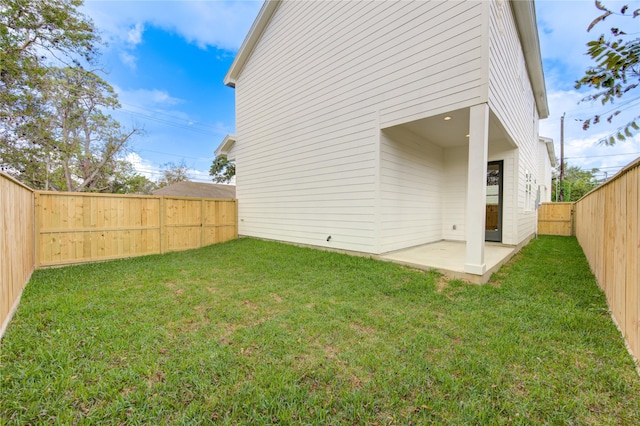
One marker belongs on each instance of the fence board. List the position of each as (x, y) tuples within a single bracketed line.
[(16, 244), (607, 227), (556, 219), (79, 228), (632, 297)]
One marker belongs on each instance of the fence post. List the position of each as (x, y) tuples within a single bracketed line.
[(36, 230), (162, 231), (202, 222)]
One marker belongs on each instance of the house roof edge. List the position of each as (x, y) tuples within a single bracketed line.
[(250, 41), (525, 14), (226, 145), (550, 150)]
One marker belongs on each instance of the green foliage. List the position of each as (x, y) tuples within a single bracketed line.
[(54, 131), (135, 184), (32, 34), (256, 332), (577, 183), (615, 74), (70, 144), (173, 173), (222, 169)]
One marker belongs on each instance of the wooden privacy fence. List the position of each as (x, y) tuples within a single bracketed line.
[(16, 244), (607, 226), (79, 227), (556, 219)]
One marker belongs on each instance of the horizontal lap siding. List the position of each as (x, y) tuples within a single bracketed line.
[(410, 191), (439, 67), (311, 98), (511, 100), (454, 194), (544, 172)]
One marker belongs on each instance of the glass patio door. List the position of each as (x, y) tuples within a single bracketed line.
[(493, 221)]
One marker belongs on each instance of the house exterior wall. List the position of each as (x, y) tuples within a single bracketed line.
[(324, 77), (512, 100), (454, 193), (545, 171), (432, 59), (411, 179)]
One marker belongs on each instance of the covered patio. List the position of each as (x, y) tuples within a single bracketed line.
[(448, 257)]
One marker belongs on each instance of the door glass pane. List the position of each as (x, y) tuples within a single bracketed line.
[(493, 197)]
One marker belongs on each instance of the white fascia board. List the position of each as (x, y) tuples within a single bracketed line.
[(250, 41), (525, 14), (225, 146), (550, 149)]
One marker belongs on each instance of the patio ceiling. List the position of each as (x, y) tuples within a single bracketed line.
[(453, 132)]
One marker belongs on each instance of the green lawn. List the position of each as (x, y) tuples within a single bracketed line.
[(264, 333)]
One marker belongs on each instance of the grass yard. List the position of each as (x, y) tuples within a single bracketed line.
[(255, 332)]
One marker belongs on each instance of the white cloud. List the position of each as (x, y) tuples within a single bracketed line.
[(563, 37), (563, 30), (144, 167), (129, 60), (146, 98), (581, 147), (222, 24), (134, 36)]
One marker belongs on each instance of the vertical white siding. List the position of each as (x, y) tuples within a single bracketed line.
[(454, 193), (511, 100), (308, 102), (410, 190)]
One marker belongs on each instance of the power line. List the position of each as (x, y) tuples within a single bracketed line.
[(598, 156), (176, 155), (190, 122), (617, 107), (157, 173), (170, 123)]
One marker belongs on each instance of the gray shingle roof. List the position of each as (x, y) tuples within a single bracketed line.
[(197, 189)]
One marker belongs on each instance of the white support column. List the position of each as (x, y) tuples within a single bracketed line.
[(477, 188)]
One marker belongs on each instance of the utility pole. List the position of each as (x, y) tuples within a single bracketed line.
[(562, 157)]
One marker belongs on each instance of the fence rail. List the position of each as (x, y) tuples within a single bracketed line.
[(43, 228), (17, 259), (556, 219), (78, 227), (607, 227)]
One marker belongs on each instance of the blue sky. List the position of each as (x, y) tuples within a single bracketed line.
[(167, 60)]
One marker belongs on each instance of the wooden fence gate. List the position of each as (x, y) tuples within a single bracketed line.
[(556, 219)]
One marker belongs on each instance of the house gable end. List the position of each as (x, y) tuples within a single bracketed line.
[(250, 41)]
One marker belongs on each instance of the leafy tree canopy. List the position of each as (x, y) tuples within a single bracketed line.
[(173, 173), (577, 182), (35, 35), (55, 130), (616, 72), (222, 170)]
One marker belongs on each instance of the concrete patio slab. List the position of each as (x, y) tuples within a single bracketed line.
[(448, 258)]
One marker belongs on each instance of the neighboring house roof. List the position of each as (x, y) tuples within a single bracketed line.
[(196, 189), (550, 150), (525, 16)]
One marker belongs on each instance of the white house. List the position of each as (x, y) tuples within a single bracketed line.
[(373, 126)]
